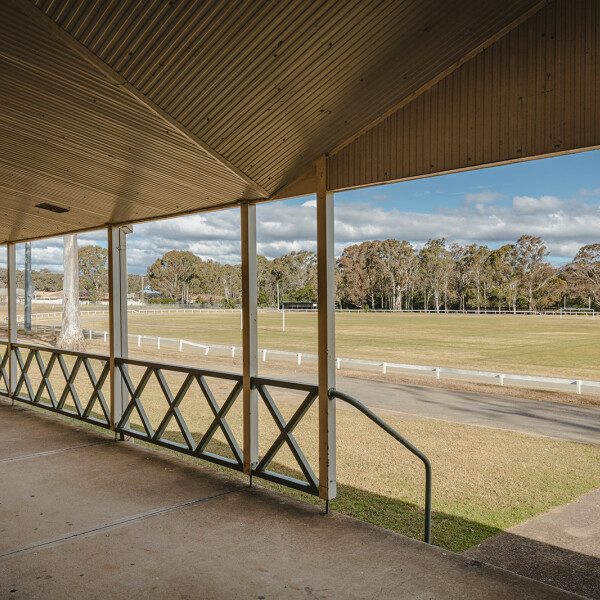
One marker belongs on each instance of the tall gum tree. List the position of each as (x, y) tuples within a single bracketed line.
[(71, 335)]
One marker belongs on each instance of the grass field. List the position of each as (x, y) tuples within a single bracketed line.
[(530, 345)]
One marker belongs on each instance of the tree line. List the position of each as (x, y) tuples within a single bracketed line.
[(393, 274), (378, 274)]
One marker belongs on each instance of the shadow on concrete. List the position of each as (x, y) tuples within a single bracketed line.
[(559, 567)]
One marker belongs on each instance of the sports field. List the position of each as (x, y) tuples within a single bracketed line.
[(529, 345)]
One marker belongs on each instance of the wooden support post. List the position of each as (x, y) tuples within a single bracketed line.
[(117, 316), (326, 333), (11, 260), (249, 335)]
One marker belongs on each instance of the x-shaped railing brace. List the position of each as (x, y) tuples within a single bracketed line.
[(285, 435)]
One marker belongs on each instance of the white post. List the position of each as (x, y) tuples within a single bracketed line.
[(249, 335), (578, 386), (11, 259), (326, 333), (437, 372), (232, 351), (158, 343), (299, 358), (139, 340), (338, 363), (105, 334), (117, 317), (207, 349), (384, 368), (180, 345), (264, 352), (501, 377)]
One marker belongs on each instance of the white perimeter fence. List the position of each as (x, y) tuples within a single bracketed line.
[(300, 357), (559, 312)]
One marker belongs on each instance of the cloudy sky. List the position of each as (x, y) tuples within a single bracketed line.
[(557, 199)]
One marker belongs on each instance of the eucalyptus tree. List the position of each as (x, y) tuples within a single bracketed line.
[(534, 272), (585, 272), (172, 274), (436, 269), (71, 335), (93, 271)]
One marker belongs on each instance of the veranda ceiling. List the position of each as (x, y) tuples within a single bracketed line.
[(128, 110)]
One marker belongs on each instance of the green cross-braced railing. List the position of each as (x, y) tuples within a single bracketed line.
[(156, 435), (333, 393), (311, 485), (86, 405)]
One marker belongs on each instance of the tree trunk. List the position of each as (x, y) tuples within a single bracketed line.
[(71, 336)]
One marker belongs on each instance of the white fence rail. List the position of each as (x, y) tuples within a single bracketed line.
[(567, 312), (384, 367)]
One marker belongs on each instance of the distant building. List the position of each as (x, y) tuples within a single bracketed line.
[(4, 295), (149, 292), (299, 305)]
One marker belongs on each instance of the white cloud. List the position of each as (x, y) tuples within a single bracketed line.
[(529, 205), (485, 197), (586, 192)]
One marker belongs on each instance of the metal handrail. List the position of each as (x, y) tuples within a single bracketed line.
[(333, 393)]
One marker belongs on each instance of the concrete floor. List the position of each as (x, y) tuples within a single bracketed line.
[(82, 516)]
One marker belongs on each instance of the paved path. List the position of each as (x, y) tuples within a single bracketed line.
[(561, 421), (83, 516)]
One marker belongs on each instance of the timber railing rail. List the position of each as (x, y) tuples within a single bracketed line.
[(38, 383), (262, 384), (333, 393)]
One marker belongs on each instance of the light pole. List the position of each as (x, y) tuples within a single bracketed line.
[(28, 286)]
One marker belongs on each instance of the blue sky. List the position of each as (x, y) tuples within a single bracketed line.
[(557, 199), (560, 176)]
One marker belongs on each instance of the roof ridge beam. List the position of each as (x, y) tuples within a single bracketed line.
[(457, 64), (59, 34)]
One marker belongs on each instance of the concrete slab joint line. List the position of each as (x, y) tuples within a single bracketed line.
[(48, 452), (114, 525)]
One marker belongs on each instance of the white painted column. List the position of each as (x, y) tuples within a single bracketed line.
[(249, 335), (326, 333), (11, 259), (117, 316)]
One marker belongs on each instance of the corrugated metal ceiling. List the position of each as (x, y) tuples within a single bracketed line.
[(267, 86)]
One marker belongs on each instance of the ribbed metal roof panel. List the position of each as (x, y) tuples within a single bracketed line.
[(535, 92), (73, 138), (273, 85)]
